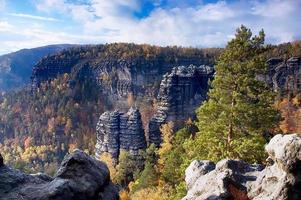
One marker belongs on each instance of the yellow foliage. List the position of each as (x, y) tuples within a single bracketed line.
[(107, 158), (124, 195), (149, 194), (167, 135)]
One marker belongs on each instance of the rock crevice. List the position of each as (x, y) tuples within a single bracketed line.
[(236, 179), (79, 177), (118, 131), (284, 75), (180, 93)]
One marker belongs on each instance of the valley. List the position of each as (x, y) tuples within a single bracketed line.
[(141, 109)]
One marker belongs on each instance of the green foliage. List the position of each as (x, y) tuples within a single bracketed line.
[(149, 175), (164, 168), (173, 172), (240, 107), (127, 169)]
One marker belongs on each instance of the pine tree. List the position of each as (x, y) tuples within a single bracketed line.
[(240, 106)]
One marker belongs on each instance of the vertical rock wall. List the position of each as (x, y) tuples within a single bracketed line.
[(118, 131), (283, 75), (181, 92)]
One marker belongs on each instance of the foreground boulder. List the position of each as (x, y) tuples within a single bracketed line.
[(238, 180), (79, 177)]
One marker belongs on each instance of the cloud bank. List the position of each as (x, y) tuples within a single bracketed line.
[(162, 22)]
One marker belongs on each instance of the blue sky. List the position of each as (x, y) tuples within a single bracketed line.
[(201, 23)]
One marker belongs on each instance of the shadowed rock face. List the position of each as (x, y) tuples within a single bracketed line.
[(283, 75), (238, 180), (115, 75), (1, 161), (79, 177), (118, 131), (181, 92)]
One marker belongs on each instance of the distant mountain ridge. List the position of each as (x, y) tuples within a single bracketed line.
[(16, 67)]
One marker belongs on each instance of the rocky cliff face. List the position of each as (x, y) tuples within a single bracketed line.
[(120, 69), (118, 131), (235, 179), (181, 92), (79, 177), (284, 75)]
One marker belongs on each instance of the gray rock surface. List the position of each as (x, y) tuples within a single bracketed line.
[(1, 161), (79, 177), (235, 179), (181, 92), (118, 76), (284, 75), (281, 180), (118, 131), (196, 169)]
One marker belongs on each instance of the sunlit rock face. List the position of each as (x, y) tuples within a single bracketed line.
[(236, 179), (181, 92), (118, 131), (79, 177), (284, 75)]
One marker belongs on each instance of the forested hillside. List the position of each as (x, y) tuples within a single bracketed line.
[(40, 125), (71, 89), (16, 67)]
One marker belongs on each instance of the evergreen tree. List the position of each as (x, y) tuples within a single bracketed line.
[(149, 175), (240, 106)]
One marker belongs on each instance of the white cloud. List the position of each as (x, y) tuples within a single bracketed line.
[(215, 12), (5, 26), (275, 8), (200, 25), (51, 5), (205, 25), (35, 17)]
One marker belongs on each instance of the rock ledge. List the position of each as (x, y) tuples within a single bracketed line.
[(79, 177), (238, 180)]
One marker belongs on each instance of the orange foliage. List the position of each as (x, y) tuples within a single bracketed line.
[(291, 113), (124, 195), (28, 142)]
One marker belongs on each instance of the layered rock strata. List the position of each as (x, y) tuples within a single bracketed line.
[(235, 179), (118, 131), (284, 75), (181, 92), (79, 177), (118, 69)]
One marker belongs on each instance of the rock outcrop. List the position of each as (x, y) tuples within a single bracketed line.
[(238, 180), (1, 161), (120, 69), (181, 92), (118, 131), (79, 177), (284, 75)]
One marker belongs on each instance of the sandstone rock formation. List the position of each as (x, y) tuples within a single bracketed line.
[(1, 161), (238, 180), (181, 92), (79, 177), (284, 75), (118, 131), (118, 68)]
